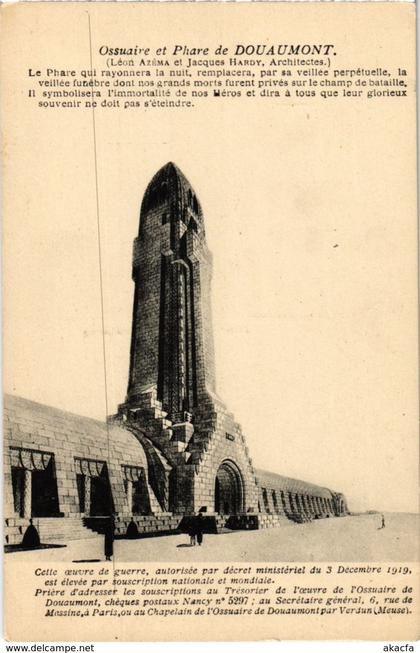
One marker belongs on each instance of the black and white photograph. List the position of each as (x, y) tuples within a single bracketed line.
[(210, 312)]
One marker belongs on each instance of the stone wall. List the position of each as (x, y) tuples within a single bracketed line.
[(180, 474), (34, 433), (219, 439), (297, 499)]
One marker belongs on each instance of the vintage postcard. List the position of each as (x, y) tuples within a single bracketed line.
[(210, 324)]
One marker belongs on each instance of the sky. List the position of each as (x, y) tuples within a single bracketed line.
[(310, 216)]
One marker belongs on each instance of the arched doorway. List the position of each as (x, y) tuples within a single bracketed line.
[(229, 490)]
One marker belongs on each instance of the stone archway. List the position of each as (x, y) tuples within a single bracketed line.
[(229, 489)]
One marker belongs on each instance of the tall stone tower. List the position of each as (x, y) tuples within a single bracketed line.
[(171, 394), (172, 340)]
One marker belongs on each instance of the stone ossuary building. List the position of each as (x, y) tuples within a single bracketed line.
[(173, 448)]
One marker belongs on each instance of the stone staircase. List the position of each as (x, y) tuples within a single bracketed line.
[(177, 442), (270, 520), (51, 530), (240, 522), (248, 521), (56, 530), (14, 529), (172, 440), (149, 525), (221, 522)]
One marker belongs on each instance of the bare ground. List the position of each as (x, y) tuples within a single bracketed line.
[(349, 539)]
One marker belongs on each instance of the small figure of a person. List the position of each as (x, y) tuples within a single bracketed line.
[(199, 528), (109, 537), (132, 530), (382, 522), (31, 537), (192, 532)]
